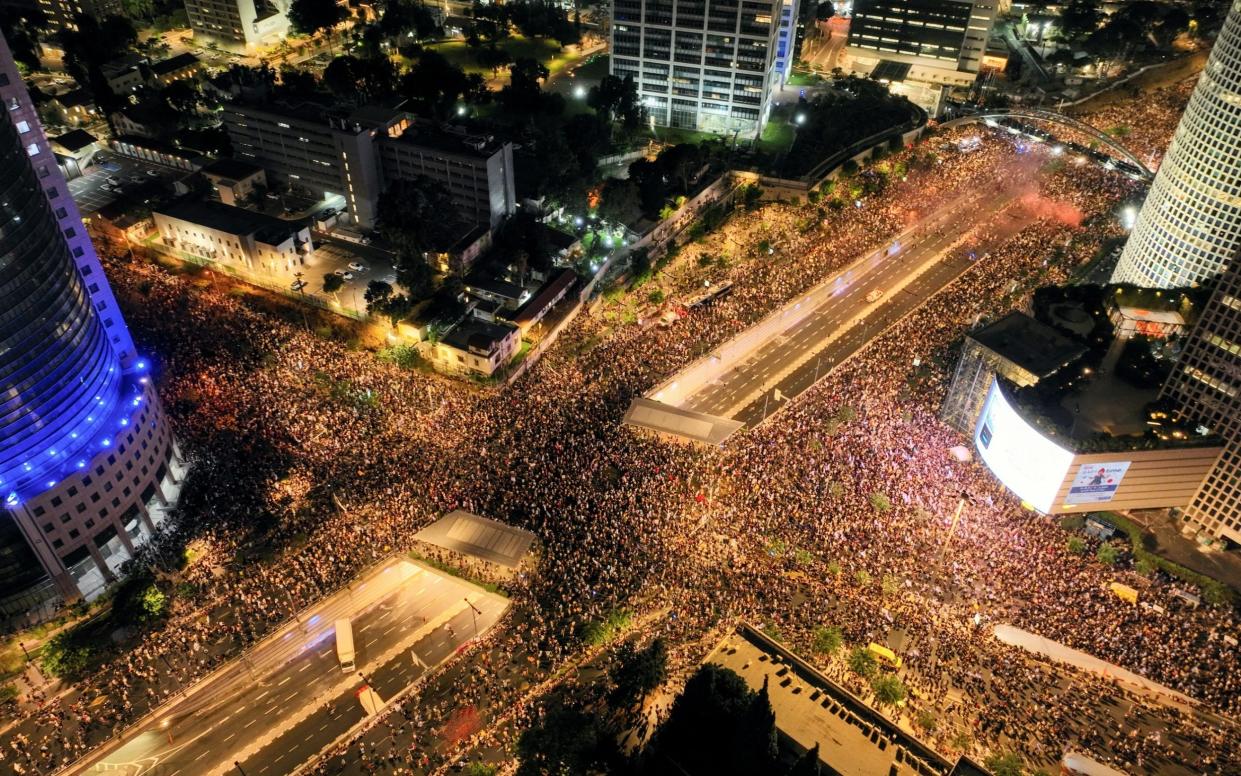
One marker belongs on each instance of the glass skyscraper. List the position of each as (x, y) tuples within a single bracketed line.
[(84, 448), (1190, 225)]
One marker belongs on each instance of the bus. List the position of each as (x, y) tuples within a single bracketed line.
[(344, 645)]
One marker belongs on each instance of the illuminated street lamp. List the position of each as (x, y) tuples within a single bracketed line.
[(579, 91)]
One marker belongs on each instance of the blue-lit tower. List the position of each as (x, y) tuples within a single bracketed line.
[(88, 467)]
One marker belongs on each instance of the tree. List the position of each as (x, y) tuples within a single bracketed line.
[(862, 662), (617, 98), (404, 16), (1076, 545), (1009, 764), (418, 215), (297, 83), (433, 85), (715, 726), (888, 689), (808, 763), (342, 76), (415, 275), (619, 201), (524, 94), (138, 9), (183, 96), (1079, 18), (1107, 554), (310, 17), (827, 640), (332, 283), (569, 740), (637, 672), (21, 28)]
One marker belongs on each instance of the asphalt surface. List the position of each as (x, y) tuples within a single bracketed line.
[(289, 698), (87, 191), (824, 338)]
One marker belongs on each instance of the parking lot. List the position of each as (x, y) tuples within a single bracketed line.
[(89, 192)]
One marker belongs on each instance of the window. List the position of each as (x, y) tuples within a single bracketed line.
[(23, 127)]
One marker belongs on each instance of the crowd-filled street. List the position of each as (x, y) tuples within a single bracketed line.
[(782, 526)]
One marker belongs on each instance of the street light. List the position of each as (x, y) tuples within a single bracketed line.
[(474, 612), (579, 91), (801, 118)]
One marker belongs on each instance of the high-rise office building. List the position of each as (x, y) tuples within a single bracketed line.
[(921, 48), (87, 461), (239, 23), (701, 64), (1206, 383), (1190, 225)]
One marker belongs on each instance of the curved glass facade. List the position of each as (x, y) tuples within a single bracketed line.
[(59, 375), (1190, 224)]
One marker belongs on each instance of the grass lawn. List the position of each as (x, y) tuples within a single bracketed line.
[(778, 135), (518, 47), (594, 69), (804, 79)]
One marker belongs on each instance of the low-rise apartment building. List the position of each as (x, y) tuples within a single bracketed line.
[(356, 153), (242, 24), (475, 346), (237, 238)]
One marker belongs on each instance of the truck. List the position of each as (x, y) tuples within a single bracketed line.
[(344, 645)]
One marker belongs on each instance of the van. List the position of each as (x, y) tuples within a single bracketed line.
[(344, 645), (884, 656)]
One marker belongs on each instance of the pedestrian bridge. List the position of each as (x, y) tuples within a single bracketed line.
[(1052, 117)]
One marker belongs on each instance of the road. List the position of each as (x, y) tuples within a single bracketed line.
[(289, 698), (906, 272)]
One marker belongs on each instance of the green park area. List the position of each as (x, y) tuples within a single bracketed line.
[(545, 51)]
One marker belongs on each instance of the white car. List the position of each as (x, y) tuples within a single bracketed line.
[(343, 274), (874, 296), (112, 179), (153, 173), (298, 285), (357, 266)]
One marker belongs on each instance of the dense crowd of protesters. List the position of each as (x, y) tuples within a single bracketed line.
[(312, 460)]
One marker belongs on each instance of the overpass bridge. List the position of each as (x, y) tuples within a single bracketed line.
[(991, 116)]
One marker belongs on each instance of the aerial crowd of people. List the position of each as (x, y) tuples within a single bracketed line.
[(312, 460)]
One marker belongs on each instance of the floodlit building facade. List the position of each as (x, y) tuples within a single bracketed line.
[(920, 48), (239, 23), (1189, 228), (1206, 383), (706, 65), (88, 465)]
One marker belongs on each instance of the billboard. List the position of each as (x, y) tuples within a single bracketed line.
[(1028, 463), (1096, 483)]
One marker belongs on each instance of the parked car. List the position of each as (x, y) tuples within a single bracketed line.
[(298, 285), (343, 274), (153, 173), (113, 180), (357, 266)]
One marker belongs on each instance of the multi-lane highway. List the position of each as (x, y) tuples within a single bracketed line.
[(837, 318), (289, 697)]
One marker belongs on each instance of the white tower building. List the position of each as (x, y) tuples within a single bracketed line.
[(1190, 224)]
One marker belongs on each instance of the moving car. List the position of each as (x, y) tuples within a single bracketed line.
[(153, 173), (344, 645), (874, 296)]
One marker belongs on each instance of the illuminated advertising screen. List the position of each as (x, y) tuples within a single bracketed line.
[(1096, 483), (1028, 463)]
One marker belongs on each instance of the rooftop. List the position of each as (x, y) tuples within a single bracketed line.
[(1028, 343), (76, 97), (546, 296), (481, 537), (232, 168), (493, 286), (674, 421), (233, 220), (75, 140), (477, 336), (450, 140), (173, 64)]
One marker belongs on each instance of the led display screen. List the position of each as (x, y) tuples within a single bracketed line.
[(1028, 463)]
